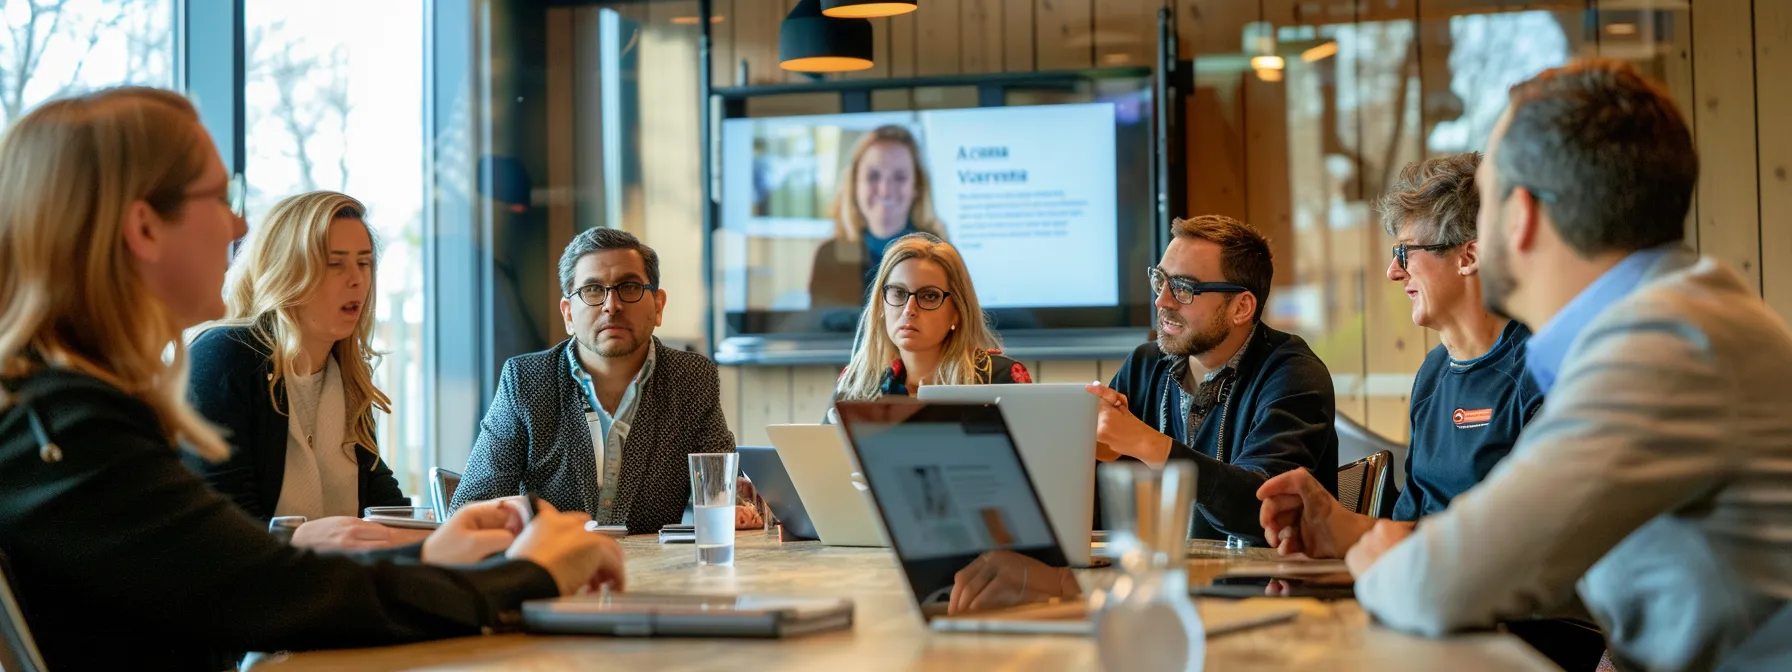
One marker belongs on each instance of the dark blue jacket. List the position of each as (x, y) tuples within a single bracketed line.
[(1277, 417)]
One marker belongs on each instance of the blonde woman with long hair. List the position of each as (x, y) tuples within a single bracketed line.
[(288, 372), (884, 195), (116, 219), (924, 327)]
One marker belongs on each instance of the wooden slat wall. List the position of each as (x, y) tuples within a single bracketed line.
[(1724, 81), (1252, 157), (1773, 107)]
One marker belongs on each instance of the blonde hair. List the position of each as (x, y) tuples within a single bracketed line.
[(69, 297), (849, 222), (281, 265), (965, 357)]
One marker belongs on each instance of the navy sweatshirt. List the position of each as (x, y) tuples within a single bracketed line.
[(1278, 416), (1465, 418)]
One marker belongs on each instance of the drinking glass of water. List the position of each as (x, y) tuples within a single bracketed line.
[(712, 496)]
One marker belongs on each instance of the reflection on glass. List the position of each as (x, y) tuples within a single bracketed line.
[(1003, 579), (333, 100)]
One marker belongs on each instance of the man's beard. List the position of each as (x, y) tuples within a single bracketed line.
[(614, 348), (1193, 343), (1497, 281)]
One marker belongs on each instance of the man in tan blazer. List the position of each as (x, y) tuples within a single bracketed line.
[(1656, 482)]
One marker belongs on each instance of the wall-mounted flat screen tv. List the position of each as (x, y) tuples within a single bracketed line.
[(1050, 205)]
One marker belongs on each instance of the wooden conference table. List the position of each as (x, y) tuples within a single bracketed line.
[(887, 633)]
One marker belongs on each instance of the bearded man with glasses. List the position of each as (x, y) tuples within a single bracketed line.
[(1245, 402), (603, 422)]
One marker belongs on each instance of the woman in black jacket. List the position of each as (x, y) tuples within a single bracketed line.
[(287, 374), (116, 219)]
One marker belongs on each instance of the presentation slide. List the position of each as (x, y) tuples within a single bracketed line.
[(1027, 195)]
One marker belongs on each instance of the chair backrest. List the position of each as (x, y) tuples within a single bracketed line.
[(1356, 442), (442, 483), (1363, 484), (18, 651)]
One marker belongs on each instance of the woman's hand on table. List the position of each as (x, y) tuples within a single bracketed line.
[(746, 518)]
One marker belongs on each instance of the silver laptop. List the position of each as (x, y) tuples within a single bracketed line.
[(955, 495), (1054, 425), (823, 470)]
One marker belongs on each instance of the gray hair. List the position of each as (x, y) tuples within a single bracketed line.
[(1605, 152), (1437, 198), (598, 240)]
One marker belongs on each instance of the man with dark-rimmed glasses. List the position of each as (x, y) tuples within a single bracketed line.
[(603, 422), (1244, 401)]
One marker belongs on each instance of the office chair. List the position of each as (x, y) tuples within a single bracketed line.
[(1356, 442), (18, 651), (1363, 484), (442, 483)]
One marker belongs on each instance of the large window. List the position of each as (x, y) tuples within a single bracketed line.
[(334, 101), (58, 47)]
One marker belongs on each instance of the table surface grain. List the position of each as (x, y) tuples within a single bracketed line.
[(888, 633)]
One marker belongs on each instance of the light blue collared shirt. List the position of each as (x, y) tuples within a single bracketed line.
[(612, 430), (1549, 346)]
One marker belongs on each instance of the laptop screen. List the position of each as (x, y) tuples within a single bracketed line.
[(951, 489)]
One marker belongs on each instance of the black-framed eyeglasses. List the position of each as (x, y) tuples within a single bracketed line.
[(1402, 249), (595, 295), (1185, 290), (926, 298)]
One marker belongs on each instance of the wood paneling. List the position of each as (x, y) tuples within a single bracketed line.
[(1126, 32), (1067, 371), (562, 141), (1215, 113), (755, 36), (938, 39), (902, 43), (981, 25), (764, 400), (1063, 34), (1723, 66), (1018, 33), (811, 392), (1773, 102)]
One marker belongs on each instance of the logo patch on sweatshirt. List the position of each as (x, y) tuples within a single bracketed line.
[(1472, 418)]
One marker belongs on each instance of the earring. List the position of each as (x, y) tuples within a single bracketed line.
[(954, 327)]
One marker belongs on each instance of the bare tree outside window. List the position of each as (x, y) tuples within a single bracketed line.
[(53, 48), (334, 100)]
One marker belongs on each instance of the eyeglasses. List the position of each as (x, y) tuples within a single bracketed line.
[(1401, 250), (238, 195), (595, 295), (927, 298), (1185, 290)]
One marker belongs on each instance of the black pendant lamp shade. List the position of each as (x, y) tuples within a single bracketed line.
[(866, 9), (811, 42)]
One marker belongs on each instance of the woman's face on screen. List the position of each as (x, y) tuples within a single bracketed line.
[(885, 187), (910, 326)]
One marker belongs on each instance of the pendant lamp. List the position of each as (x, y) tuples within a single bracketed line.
[(866, 9), (808, 41)]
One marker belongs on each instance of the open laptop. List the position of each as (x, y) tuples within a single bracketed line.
[(1054, 427), (822, 469), (953, 491), (761, 464)]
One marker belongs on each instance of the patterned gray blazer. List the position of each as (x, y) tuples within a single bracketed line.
[(534, 439)]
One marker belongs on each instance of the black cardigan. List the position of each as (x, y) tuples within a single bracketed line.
[(1278, 417), (122, 559), (229, 386)]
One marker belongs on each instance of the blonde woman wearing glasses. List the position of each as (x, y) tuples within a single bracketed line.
[(116, 220), (924, 327), (289, 374)]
